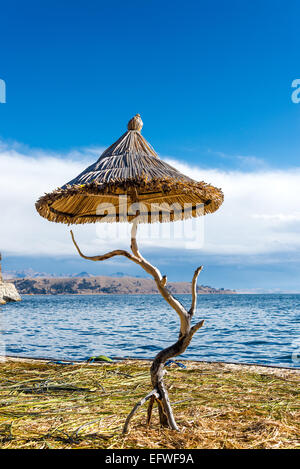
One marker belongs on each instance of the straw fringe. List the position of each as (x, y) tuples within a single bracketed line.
[(191, 200)]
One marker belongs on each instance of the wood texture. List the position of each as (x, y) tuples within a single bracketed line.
[(186, 332)]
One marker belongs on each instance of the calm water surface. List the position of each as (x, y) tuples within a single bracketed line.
[(242, 328)]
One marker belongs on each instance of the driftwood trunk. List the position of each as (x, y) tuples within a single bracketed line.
[(159, 392)]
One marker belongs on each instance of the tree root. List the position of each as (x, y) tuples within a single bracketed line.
[(152, 394)]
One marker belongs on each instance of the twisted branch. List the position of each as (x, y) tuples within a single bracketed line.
[(108, 255), (159, 392)]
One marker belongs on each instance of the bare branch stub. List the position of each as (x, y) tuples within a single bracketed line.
[(164, 281), (159, 392), (194, 290)]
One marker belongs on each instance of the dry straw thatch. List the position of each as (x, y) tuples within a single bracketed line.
[(129, 179), (49, 406)]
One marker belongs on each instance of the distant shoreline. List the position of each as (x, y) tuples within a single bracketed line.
[(134, 294), (104, 285)]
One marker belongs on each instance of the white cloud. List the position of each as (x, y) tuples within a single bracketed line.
[(23, 179), (260, 213)]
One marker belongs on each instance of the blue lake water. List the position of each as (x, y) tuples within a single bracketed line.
[(263, 329)]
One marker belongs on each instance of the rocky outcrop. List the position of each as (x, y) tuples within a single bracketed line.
[(8, 292)]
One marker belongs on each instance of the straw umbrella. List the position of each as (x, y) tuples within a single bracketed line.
[(130, 183)]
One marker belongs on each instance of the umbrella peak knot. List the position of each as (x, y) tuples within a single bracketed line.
[(135, 123)]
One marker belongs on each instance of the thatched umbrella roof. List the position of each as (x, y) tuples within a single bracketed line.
[(129, 172)]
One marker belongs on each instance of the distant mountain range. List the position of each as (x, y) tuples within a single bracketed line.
[(30, 273), (88, 284)]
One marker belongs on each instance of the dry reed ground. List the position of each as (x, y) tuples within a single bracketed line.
[(85, 405)]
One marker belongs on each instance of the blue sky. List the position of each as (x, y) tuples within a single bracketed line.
[(207, 76), (212, 80)]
